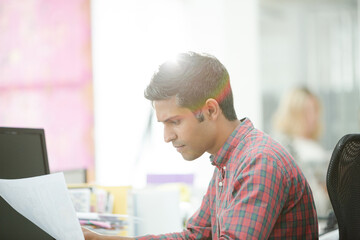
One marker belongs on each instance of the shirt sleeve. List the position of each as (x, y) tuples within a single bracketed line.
[(259, 192), (197, 227)]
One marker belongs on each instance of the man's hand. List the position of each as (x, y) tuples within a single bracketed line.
[(90, 235)]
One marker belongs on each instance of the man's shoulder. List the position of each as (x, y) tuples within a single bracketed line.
[(260, 148), (257, 141)]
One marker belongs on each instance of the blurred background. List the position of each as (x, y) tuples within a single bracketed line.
[(78, 69)]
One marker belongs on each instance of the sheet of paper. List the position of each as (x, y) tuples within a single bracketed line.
[(46, 202)]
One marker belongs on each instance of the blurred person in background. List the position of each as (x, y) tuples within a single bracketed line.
[(297, 125)]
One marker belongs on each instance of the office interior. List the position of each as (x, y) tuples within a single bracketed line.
[(78, 69)]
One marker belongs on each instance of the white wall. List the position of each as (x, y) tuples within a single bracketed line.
[(130, 38)]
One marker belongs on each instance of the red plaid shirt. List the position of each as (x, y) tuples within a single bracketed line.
[(257, 192)]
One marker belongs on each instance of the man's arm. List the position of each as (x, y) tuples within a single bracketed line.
[(90, 235), (198, 227)]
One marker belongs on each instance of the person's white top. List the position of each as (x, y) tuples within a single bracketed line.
[(333, 235)]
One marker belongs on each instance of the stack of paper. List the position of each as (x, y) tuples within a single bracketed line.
[(45, 201)]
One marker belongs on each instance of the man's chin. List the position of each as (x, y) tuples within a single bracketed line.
[(189, 158)]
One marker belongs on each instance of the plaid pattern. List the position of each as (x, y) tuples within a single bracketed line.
[(257, 192)]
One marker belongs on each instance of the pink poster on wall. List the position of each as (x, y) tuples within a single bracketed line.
[(46, 78)]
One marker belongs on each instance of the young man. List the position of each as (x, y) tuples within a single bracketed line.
[(257, 191)]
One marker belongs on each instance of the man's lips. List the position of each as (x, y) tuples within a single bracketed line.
[(179, 147)]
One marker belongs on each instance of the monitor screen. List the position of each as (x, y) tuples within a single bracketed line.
[(22, 154)]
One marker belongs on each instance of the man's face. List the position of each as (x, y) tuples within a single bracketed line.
[(190, 137)]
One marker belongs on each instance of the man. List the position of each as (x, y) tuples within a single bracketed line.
[(257, 191)]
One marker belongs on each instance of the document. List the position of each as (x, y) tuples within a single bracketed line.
[(46, 202)]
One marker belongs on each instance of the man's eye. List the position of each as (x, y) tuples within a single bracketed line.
[(176, 122)]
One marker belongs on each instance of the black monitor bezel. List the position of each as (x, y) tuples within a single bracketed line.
[(37, 131)]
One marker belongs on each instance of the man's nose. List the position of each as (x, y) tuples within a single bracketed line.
[(169, 135)]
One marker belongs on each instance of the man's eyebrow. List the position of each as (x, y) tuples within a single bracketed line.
[(170, 119)]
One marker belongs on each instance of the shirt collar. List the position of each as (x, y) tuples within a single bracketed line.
[(222, 156)]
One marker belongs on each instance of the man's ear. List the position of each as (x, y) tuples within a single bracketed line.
[(212, 109)]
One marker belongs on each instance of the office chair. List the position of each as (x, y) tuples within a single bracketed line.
[(343, 185)]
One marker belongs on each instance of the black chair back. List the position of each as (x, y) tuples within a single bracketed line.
[(343, 185)]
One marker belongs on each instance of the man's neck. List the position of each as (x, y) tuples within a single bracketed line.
[(225, 129)]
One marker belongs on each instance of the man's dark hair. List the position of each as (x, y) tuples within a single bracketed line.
[(193, 78)]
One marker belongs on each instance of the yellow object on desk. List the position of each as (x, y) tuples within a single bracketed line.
[(121, 201), (121, 197)]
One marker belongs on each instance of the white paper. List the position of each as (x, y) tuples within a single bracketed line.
[(45, 201)]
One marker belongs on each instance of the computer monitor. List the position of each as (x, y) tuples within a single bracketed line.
[(22, 154)]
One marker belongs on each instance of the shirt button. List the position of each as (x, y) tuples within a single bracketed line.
[(220, 184)]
